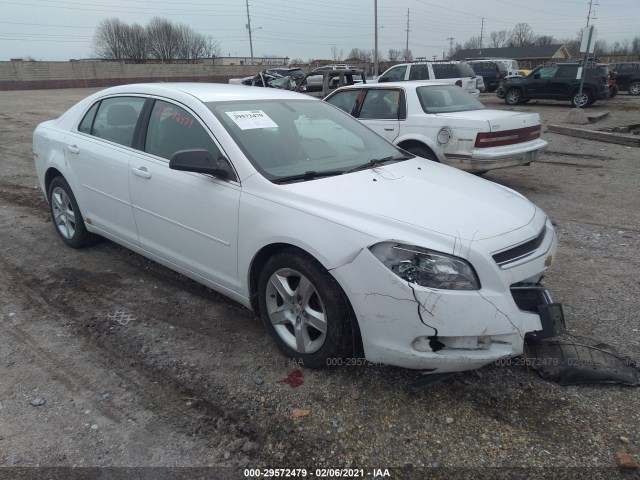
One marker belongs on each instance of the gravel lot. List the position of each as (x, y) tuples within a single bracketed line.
[(142, 367)]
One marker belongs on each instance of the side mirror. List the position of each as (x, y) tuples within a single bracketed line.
[(537, 75), (201, 161)]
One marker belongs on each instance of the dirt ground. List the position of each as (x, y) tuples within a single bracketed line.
[(141, 367)]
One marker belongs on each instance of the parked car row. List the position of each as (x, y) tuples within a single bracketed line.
[(346, 245)]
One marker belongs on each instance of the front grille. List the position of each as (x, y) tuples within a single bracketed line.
[(520, 251)]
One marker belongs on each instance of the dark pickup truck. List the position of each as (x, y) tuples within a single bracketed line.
[(558, 81)]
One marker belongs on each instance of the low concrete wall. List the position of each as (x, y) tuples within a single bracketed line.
[(27, 75)]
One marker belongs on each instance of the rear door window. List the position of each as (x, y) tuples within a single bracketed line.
[(419, 72), (115, 119), (380, 104)]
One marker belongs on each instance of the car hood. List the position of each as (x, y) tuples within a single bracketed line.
[(415, 195), (498, 120)]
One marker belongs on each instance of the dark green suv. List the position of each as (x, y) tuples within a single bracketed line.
[(558, 81)]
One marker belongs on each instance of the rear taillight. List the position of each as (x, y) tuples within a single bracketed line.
[(507, 137), (459, 83), (498, 76)]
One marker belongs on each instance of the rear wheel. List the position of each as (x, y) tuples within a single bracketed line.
[(66, 215), (421, 151), (305, 310), (581, 99), (634, 88), (513, 96)]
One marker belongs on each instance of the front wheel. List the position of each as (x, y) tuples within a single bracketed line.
[(66, 215), (580, 100), (305, 310), (513, 96), (634, 88)]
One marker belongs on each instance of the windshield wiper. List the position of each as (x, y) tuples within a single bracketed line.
[(376, 162), (309, 175)]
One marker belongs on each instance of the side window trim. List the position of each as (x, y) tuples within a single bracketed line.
[(140, 133)]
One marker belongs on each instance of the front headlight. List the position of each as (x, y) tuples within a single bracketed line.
[(425, 267)]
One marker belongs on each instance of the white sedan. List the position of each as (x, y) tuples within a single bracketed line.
[(345, 245), (444, 123)]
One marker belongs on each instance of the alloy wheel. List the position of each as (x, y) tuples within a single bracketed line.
[(63, 214), (296, 311)]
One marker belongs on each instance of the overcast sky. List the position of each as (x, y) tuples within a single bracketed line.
[(60, 30)]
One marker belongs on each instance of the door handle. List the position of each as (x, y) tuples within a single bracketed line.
[(73, 149), (141, 172), (389, 129)]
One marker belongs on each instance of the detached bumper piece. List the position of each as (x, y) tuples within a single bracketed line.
[(535, 298), (574, 363)]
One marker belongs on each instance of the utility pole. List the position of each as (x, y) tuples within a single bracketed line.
[(585, 60), (249, 28), (451, 39), (375, 52), (591, 5), (406, 50), (481, 35)]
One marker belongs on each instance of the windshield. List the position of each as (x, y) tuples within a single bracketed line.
[(284, 138), (446, 99)]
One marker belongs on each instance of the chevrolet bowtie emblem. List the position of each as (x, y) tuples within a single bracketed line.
[(548, 261)]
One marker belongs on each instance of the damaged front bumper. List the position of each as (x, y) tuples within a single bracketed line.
[(441, 331)]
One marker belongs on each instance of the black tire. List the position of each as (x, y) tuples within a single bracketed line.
[(293, 321), (421, 151), (583, 101), (66, 216), (634, 88), (513, 96)]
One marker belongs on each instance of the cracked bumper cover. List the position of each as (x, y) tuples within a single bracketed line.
[(492, 158), (475, 327)]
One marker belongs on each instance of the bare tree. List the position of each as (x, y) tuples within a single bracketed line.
[(544, 40), (394, 55), (213, 48), (135, 44), (109, 39), (164, 40), (336, 54), (499, 39), (635, 46), (472, 43), (601, 47), (407, 55), (521, 35), (363, 55)]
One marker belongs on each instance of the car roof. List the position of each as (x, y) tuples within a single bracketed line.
[(408, 84), (206, 92)]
